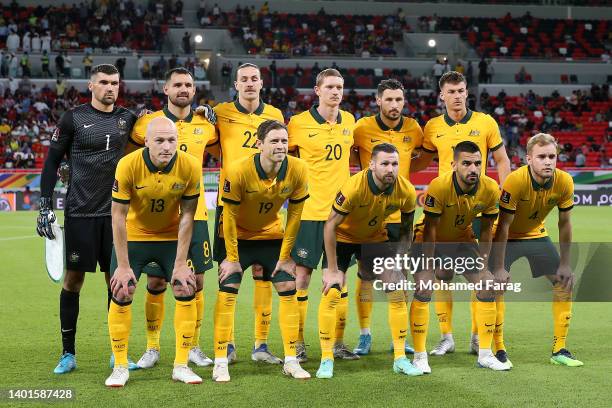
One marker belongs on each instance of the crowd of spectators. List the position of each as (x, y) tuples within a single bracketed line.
[(111, 25), (283, 34)]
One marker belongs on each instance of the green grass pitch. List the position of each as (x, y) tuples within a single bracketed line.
[(31, 346)]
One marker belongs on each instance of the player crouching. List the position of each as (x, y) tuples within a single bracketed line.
[(254, 191), (150, 186)]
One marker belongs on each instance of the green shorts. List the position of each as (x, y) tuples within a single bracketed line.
[(309, 245), (540, 252), (140, 254), (199, 257), (262, 252), (344, 255), (393, 231)]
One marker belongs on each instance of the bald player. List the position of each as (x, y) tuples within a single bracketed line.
[(150, 187)]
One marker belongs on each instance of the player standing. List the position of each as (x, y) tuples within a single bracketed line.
[(195, 133), (322, 137), (453, 200), (237, 131), (528, 196), (358, 217), (93, 136), (441, 135), (150, 187), (388, 126), (254, 191)]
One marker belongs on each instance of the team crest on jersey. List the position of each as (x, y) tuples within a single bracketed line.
[(122, 124), (552, 201), (407, 139), (346, 132), (178, 186), (474, 133), (227, 186), (198, 131), (116, 186), (55, 136), (478, 208), (505, 197), (302, 253), (340, 198), (430, 201), (285, 190), (391, 208)]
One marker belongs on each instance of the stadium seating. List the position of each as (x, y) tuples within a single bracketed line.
[(135, 27), (313, 34), (531, 37)]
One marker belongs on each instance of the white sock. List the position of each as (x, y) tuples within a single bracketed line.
[(482, 353), (422, 355), (474, 336), (290, 358), (221, 360), (448, 336), (365, 331)]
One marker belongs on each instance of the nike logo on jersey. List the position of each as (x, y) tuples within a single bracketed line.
[(450, 205), (365, 205), (374, 140), (524, 199), (438, 136), (313, 135), (88, 126), (140, 187), (249, 192)]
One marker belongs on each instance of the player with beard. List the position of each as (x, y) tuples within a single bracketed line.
[(452, 201), (195, 133), (388, 126), (93, 137)]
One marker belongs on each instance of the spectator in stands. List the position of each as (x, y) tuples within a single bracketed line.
[(87, 64), (67, 65), (12, 42), (186, 41), (482, 70), (59, 64), (490, 71), (437, 71), (44, 63), (522, 77), (580, 158), (24, 64), (5, 58)]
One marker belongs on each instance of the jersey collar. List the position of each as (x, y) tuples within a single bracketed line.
[(458, 189), (173, 118), (536, 186), (320, 120), (242, 109), (147, 159), (374, 188), (384, 127), (282, 172), (463, 120)]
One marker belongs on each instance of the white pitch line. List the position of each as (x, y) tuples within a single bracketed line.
[(16, 238)]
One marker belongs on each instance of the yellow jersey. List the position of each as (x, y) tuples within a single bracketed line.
[(406, 137), (155, 195), (531, 202), (326, 148), (457, 208), (237, 132), (194, 134), (260, 199), (366, 207), (442, 134)]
